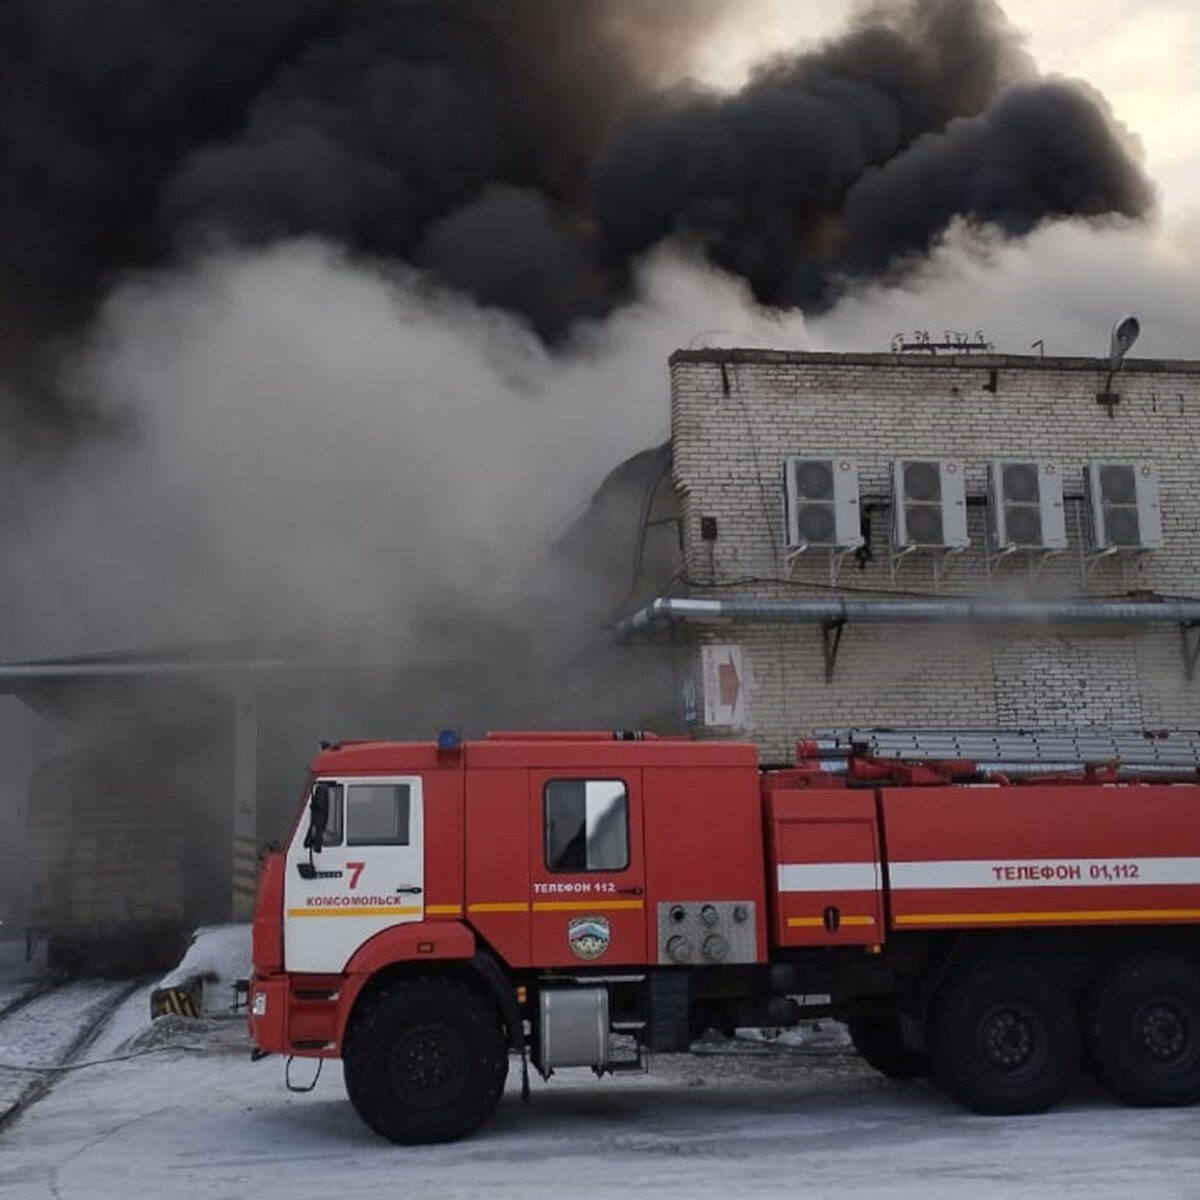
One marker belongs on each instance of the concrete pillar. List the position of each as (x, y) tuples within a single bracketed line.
[(245, 807)]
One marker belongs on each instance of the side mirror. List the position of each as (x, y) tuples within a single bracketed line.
[(318, 818)]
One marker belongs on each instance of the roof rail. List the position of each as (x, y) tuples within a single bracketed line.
[(571, 735)]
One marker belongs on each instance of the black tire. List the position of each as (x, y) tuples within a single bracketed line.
[(425, 1061), (1144, 1031), (1006, 1040), (879, 1044)]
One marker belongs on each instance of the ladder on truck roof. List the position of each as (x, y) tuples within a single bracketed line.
[(1022, 751)]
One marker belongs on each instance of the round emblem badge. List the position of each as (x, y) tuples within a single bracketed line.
[(588, 936)]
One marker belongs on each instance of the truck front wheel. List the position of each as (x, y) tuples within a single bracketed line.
[(425, 1061), (1144, 1031), (1006, 1040)]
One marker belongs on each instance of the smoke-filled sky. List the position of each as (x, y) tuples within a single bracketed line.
[(525, 152), (320, 313), (1141, 54)]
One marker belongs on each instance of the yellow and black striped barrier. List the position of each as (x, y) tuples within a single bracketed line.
[(183, 1000)]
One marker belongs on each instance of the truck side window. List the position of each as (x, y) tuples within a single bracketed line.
[(587, 825), (377, 814)]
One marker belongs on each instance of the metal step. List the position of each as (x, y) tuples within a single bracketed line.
[(593, 979), (1048, 748)]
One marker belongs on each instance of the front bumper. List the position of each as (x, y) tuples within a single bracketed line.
[(296, 1015)]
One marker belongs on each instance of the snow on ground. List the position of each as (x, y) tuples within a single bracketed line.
[(45, 1030), (131, 1018), (791, 1116), (12, 992), (218, 954), (808, 1035), (736, 1120)]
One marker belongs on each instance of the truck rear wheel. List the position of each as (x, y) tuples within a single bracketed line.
[(425, 1061), (879, 1044), (1006, 1040), (1144, 1031)]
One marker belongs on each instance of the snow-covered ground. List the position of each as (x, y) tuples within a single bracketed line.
[(746, 1119), (219, 955), (45, 1030), (797, 1116)]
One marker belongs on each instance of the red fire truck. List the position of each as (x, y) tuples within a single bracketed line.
[(995, 914)]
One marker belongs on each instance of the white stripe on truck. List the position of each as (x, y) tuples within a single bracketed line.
[(1006, 873), (998, 873), (829, 877)]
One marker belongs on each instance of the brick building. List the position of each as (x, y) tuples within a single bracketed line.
[(1072, 625)]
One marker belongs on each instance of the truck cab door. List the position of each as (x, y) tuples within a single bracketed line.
[(587, 876), (368, 875)]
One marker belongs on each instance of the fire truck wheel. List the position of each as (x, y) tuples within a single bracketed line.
[(878, 1042), (1144, 1031), (1005, 1040), (425, 1061)]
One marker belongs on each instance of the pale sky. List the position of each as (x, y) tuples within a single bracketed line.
[(1144, 55)]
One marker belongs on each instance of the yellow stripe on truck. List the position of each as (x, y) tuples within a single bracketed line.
[(814, 922)]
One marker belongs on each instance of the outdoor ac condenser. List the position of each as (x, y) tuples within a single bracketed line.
[(1025, 502), (1123, 505), (821, 503), (929, 504)]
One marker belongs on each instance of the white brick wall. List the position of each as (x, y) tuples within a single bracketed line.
[(736, 415)]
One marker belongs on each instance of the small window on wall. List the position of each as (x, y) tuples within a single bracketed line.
[(587, 825), (377, 814)]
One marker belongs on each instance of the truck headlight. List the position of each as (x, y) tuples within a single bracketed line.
[(258, 1006)]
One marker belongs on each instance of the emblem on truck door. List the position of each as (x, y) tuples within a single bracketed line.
[(588, 936)]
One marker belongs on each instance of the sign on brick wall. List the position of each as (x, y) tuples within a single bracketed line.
[(724, 687)]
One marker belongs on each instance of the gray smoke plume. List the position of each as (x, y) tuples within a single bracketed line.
[(521, 151)]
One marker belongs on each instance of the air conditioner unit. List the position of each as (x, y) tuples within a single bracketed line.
[(1123, 505), (1025, 500), (929, 504), (821, 503)]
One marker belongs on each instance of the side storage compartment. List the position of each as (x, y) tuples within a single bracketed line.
[(826, 878)]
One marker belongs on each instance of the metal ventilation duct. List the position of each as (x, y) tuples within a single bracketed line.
[(909, 611)]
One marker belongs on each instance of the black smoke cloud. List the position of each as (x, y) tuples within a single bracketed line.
[(850, 161), (521, 151), (1036, 153)]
